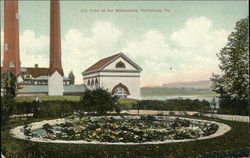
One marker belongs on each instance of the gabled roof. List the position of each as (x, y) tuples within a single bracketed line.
[(35, 72), (46, 78), (106, 61), (101, 63), (41, 78)]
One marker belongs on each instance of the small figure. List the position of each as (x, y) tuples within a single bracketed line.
[(36, 107)]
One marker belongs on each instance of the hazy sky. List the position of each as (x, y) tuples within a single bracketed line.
[(185, 35)]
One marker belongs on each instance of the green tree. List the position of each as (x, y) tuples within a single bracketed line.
[(7, 105), (8, 83), (8, 86), (233, 84), (71, 76), (97, 100)]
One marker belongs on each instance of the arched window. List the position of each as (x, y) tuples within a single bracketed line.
[(120, 65), (96, 81), (121, 91), (92, 82), (12, 63), (88, 82)]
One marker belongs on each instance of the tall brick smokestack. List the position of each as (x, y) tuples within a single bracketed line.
[(55, 38), (55, 74), (11, 61)]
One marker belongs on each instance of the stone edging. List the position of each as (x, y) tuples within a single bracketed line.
[(17, 133)]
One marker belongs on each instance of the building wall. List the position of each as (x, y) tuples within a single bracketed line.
[(132, 83), (90, 77), (109, 80), (55, 84)]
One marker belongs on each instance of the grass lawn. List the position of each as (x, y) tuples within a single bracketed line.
[(127, 102), (237, 138), (48, 98)]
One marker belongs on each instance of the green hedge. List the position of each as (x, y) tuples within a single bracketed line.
[(173, 105), (50, 108), (56, 107), (234, 107)]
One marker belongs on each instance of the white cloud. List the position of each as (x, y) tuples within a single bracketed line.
[(81, 51), (199, 36), (193, 58), (152, 54), (78, 51), (34, 49)]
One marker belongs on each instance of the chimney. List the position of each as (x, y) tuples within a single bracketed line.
[(55, 72), (11, 61), (36, 65), (55, 38)]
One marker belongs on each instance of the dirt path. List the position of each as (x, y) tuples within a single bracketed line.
[(237, 118)]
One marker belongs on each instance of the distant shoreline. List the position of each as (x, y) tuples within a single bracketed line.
[(180, 95)]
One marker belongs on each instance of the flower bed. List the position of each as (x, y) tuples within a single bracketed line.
[(134, 129)]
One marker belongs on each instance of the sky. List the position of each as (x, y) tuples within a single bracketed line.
[(173, 41)]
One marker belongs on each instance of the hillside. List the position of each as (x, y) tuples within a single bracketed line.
[(205, 84), (180, 88)]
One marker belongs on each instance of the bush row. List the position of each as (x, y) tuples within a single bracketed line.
[(52, 108), (234, 107), (173, 105), (60, 108)]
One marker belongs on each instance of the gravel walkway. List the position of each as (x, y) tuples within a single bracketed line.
[(237, 118), (219, 116)]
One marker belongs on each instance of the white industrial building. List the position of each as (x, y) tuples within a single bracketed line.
[(117, 73)]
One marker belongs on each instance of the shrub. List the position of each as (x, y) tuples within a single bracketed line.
[(97, 100), (173, 105), (127, 104), (49, 108), (60, 108), (6, 108), (8, 83), (118, 108)]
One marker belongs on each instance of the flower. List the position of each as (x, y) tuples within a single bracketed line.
[(78, 135)]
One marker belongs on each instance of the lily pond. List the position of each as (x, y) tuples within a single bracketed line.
[(136, 129)]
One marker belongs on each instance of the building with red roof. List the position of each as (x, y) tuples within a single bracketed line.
[(117, 73)]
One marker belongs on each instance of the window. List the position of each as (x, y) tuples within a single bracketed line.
[(120, 65), (96, 81), (12, 63), (88, 82), (5, 47), (92, 82), (120, 92)]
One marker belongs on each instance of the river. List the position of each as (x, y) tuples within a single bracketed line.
[(208, 98)]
